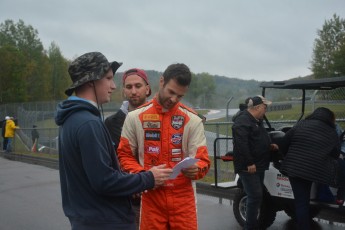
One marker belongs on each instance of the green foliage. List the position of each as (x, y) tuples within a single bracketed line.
[(329, 49), (202, 89), (11, 71), (233, 87), (26, 72), (60, 79)]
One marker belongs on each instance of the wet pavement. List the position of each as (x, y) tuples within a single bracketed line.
[(216, 216), (30, 199)]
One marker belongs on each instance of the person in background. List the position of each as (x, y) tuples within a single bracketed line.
[(95, 191), (241, 107), (164, 131), (3, 131), (136, 89), (312, 155), (34, 137), (341, 191), (252, 154), (9, 133)]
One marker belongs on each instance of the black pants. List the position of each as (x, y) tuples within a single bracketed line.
[(4, 143), (341, 180), (301, 191)]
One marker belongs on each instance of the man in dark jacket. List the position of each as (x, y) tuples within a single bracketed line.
[(34, 137), (95, 192), (252, 146), (313, 149), (136, 89)]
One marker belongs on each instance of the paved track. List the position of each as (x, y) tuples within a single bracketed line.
[(30, 199)]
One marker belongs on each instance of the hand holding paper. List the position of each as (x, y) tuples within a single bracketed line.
[(185, 163)]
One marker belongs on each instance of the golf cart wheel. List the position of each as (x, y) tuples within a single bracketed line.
[(239, 207), (267, 213)]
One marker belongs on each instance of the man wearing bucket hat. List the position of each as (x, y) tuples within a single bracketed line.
[(252, 148), (95, 192)]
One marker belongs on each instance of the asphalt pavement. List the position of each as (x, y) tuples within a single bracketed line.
[(30, 199)]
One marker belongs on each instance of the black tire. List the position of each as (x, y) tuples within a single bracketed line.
[(267, 213), (239, 206), (314, 211)]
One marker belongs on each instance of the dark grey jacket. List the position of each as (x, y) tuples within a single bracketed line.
[(251, 143), (312, 149)]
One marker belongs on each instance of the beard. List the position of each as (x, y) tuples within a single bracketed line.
[(135, 102)]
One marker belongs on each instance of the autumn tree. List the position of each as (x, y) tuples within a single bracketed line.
[(59, 76), (27, 73), (11, 70), (329, 49)]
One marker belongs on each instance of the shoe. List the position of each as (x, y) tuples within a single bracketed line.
[(339, 202)]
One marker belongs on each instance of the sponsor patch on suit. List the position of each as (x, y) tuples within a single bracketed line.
[(177, 122), (176, 151), (151, 124), (176, 159), (153, 135), (151, 117), (153, 149), (176, 138)]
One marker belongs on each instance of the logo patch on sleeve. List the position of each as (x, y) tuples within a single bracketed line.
[(176, 138), (153, 135), (151, 117), (177, 122), (151, 124)]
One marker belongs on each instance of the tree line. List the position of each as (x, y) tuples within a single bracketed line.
[(29, 72)]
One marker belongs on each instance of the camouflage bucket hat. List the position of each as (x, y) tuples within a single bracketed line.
[(89, 67)]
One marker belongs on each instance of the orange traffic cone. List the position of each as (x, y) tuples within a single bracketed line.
[(34, 146)]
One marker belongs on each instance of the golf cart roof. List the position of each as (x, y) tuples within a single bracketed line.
[(324, 84)]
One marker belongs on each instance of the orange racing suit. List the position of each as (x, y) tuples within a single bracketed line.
[(152, 137)]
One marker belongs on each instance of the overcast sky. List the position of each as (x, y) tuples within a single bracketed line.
[(247, 39)]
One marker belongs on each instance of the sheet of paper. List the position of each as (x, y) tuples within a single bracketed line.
[(185, 163)]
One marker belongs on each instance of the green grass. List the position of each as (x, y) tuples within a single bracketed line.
[(291, 114), (296, 110), (202, 111), (49, 123)]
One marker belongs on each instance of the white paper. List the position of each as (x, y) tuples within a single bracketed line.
[(185, 163)]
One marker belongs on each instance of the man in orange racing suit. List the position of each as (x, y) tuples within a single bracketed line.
[(164, 131)]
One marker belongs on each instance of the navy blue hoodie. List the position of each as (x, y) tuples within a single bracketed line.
[(95, 192)]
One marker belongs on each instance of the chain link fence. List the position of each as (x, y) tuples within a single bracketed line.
[(283, 113)]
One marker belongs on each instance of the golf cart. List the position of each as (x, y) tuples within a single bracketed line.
[(278, 195)]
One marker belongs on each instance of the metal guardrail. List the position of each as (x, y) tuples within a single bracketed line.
[(201, 187), (47, 162)]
